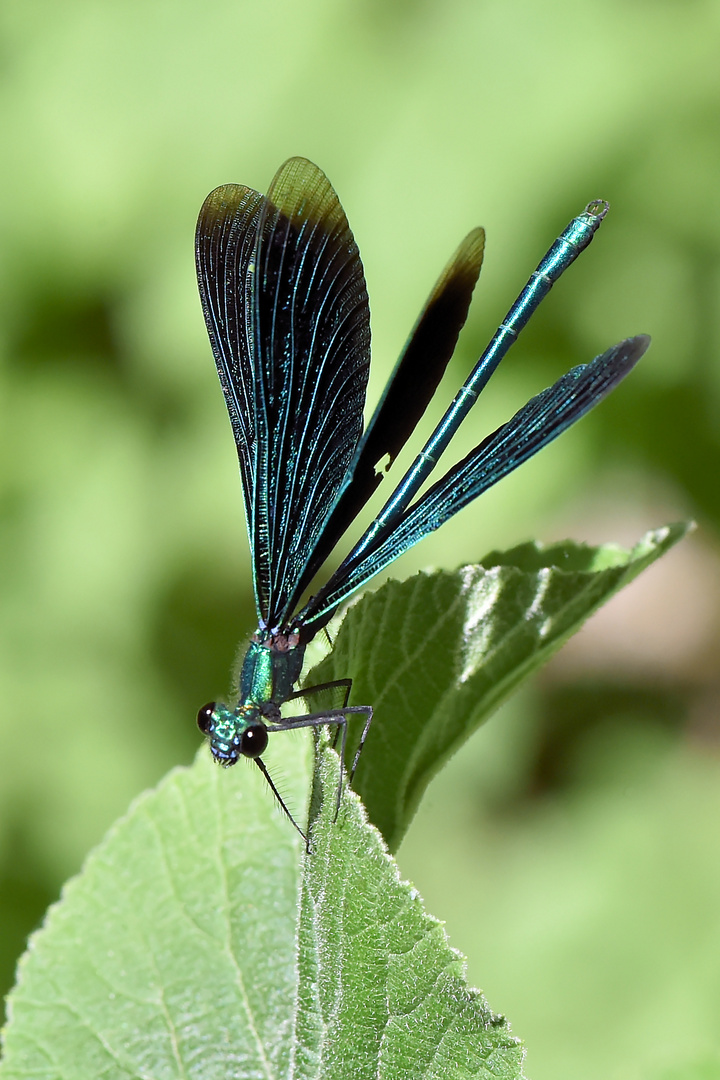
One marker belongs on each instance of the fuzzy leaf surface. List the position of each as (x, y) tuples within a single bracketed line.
[(384, 994), (200, 941)]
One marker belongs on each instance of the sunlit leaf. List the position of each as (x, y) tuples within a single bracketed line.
[(173, 954), (435, 655)]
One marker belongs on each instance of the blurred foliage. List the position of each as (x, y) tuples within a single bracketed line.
[(125, 571)]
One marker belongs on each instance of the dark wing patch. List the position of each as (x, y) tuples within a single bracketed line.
[(224, 245)]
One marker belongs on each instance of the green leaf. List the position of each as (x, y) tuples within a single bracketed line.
[(174, 953), (385, 994), (435, 655)]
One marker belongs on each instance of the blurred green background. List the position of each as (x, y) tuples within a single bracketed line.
[(573, 847)]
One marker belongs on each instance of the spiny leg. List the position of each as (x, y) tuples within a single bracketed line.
[(363, 737), (346, 684), (315, 720), (261, 766)]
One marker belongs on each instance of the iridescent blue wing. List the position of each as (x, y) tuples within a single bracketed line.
[(295, 369), (409, 390), (540, 421), (224, 246)]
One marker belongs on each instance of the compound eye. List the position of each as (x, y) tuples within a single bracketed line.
[(254, 740), (205, 716)]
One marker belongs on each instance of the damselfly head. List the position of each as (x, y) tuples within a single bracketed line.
[(232, 733)]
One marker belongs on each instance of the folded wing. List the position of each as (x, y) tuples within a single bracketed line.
[(286, 306)]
